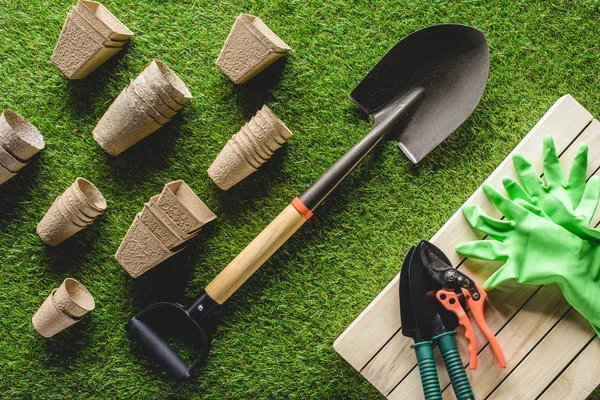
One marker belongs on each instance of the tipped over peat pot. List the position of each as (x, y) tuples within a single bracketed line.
[(248, 149), (143, 107), (19, 142), (90, 36), (249, 48), (71, 212), (163, 227), (65, 306)]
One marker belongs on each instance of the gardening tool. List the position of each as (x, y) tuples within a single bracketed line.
[(419, 93), (456, 289), (425, 321)]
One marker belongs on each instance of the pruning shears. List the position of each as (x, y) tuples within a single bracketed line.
[(432, 304), (456, 290)]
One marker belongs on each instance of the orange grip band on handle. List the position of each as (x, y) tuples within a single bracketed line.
[(476, 307), (451, 303), (301, 208)]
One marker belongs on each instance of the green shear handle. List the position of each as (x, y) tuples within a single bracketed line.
[(454, 365)]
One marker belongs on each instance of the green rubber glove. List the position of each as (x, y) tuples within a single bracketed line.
[(570, 204), (536, 251)]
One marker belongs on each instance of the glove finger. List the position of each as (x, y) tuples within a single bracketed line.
[(528, 176), (478, 219), (489, 250), (532, 209), (506, 206), (577, 175), (514, 190), (589, 200), (551, 166)]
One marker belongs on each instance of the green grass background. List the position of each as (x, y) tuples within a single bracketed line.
[(275, 335)]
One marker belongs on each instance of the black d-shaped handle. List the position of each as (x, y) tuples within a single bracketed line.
[(151, 328)]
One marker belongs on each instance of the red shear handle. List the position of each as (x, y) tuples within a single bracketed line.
[(476, 307), (451, 303)]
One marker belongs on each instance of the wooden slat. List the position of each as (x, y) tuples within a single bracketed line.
[(573, 383), (591, 137), (531, 323), (372, 329), (380, 321), (548, 359)]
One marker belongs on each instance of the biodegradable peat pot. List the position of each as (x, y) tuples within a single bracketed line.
[(77, 54), (49, 319), (160, 229), (91, 31), (249, 146), (145, 107), (159, 73), (86, 197), (60, 203), (165, 219), (76, 216), (71, 197), (54, 228), (263, 136), (73, 299), (249, 48), (103, 20), (5, 174), (19, 137), (269, 128), (242, 152), (264, 152), (123, 125), (277, 123), (9, 162), (184, 207), (154, 82), (229, 168), (100, 58), (147, 94), (141, 250)]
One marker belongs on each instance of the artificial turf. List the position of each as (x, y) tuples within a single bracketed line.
[(274, 337)]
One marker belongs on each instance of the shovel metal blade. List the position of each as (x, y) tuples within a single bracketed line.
[(426, 86)]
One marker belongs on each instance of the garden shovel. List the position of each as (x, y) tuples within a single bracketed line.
[(418, 94)]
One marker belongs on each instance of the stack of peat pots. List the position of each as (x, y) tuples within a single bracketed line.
[(248, 149), (73, 211), (90, 36), (62, 308), (150, 101), (163, 227), (19, 141)]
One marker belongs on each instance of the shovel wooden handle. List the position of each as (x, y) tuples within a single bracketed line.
[(257, 252)]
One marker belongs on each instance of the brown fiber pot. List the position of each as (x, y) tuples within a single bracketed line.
[(249, 48), (19, 137), (73, 299), (49, 319), (229, 168), (123, 125)]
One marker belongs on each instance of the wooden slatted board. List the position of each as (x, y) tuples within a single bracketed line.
[(550, 350)]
